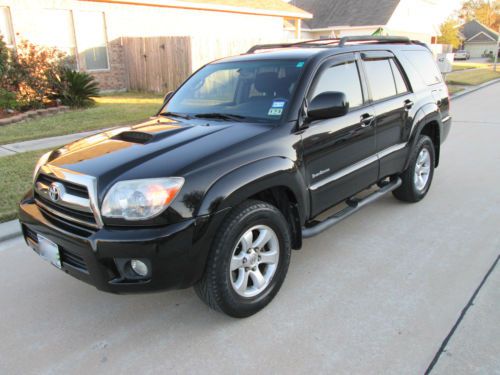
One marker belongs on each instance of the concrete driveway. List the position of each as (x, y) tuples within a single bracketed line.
[(379, 293)]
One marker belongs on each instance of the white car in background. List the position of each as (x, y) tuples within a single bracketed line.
[(462, 55)]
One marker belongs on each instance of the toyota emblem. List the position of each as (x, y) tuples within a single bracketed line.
[(55, 191)]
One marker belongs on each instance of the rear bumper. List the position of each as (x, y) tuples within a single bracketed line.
[(176, 253)]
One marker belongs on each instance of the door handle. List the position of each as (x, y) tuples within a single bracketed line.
[(408, 104), (366, 120)]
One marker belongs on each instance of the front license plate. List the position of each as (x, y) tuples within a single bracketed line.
[(49, 251)]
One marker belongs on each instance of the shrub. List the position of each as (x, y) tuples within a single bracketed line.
[(4, 61), (7, 99), (77, 89), (31, 67)]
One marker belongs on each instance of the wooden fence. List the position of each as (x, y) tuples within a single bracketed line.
[(158, 64)]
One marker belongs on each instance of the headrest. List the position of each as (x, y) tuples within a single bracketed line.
[(266, 82)]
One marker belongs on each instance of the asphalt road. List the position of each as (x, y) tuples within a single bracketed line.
[(376, 294)]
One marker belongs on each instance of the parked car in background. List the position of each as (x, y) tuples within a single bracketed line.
[(238, 166), (462, 55)]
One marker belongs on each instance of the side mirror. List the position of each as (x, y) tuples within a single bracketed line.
[(167, 96), (327, 105)]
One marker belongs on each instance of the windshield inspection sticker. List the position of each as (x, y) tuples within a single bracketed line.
[(277, 107), (275, 112), (300, 64)]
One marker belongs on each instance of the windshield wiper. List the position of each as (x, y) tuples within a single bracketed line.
[(175, 114), (222, 116)]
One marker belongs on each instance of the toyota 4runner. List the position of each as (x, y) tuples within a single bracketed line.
[(234, 170)]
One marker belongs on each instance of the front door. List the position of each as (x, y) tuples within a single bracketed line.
[(339, 154)]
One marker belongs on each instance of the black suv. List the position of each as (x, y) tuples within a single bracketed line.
[(232, 173)]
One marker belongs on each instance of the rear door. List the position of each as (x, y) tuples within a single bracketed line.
[(339, 154), (393, 102)]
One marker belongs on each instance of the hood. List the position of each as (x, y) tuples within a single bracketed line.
[(158, 147)]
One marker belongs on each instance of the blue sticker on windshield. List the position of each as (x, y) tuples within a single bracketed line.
[(278, 103), (300, 64)]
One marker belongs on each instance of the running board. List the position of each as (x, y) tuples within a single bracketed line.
[(353, 205)]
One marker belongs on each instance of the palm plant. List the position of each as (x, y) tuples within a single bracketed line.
[(77, 89)]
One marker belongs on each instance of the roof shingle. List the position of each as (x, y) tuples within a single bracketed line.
[(328, 13)]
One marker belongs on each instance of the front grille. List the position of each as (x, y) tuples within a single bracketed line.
[(71, 188), (84, 218), (72, 260)]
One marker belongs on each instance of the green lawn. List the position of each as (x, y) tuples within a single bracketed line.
[(468, 65), (471, 77), (111, 110), (17, 174)]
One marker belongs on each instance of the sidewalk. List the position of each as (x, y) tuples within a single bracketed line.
[(40, 144)]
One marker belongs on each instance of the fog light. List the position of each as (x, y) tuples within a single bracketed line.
[(139, 267)]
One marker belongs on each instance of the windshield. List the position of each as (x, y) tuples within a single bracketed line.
[(252, 90)]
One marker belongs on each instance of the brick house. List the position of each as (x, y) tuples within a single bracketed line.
[(93, 30)]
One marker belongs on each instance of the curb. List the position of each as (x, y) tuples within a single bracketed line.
[(9, 230), (475, 88), (32, 114)]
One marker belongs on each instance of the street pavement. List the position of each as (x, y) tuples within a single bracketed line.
[(376, 294)]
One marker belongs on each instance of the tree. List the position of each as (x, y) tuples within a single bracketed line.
[(486, 12), (489, 14), (450, 33)]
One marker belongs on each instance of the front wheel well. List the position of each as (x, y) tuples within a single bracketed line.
[(431, 129), (284, 199)]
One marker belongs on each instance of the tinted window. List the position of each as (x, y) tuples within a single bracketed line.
[(379, 74), (398, 78), (424, 64), (343, 77)]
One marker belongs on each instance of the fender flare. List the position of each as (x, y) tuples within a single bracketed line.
[(426, 114), (250, 179)]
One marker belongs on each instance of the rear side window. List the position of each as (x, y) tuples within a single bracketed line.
[(424, 64), (401, 86), (343, 77), (380, 78)]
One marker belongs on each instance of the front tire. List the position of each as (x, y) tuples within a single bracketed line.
[(417, 178), (248, 261)]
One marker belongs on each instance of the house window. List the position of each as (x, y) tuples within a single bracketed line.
[(55, 30), (6, 26), (91, 38)]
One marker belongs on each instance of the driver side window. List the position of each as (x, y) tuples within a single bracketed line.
[(343, 77)]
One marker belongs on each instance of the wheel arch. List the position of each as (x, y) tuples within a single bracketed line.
[(274, 180), (427, 122)]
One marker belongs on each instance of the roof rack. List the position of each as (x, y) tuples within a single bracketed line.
[(338, 42)]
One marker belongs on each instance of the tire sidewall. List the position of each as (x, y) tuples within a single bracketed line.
[(424, 142), (261, 216)]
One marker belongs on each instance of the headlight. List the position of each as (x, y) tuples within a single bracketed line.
[(43, 159), (140, 199)]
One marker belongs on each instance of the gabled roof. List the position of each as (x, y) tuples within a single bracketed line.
[(330, 13), (475, 31), (259, 7)]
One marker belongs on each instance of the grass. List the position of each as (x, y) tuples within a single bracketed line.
[(110, 110), (454, 89), (471, 77), (457, 66), (17, 175)]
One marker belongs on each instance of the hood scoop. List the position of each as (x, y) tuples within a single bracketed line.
[(134, 137)]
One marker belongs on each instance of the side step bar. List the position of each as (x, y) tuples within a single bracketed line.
[(353, 206)]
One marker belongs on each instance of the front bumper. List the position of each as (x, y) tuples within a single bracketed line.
[(176, 253)]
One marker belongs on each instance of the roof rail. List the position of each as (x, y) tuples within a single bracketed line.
[(270, 46), (335, 42), (371, 38)]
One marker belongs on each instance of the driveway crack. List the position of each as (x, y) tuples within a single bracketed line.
[(459, 320)]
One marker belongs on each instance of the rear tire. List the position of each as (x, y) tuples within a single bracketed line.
[(417, 178), (248, 261)]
